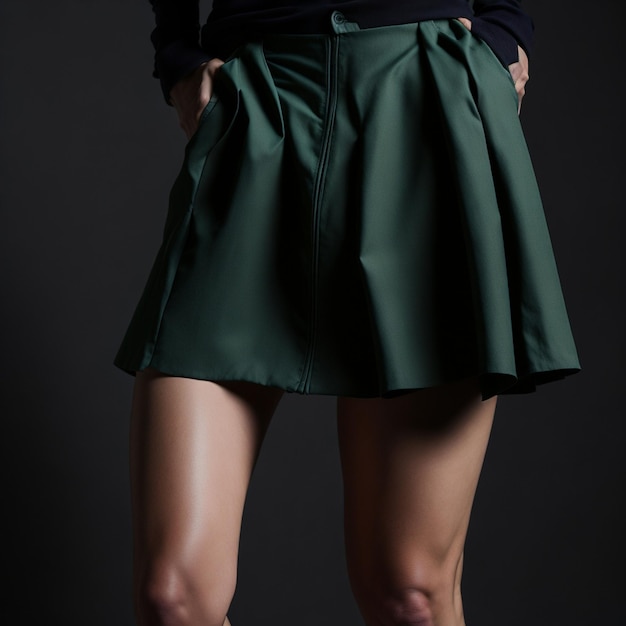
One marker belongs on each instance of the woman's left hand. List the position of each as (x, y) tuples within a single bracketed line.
[(519, 72), (519, 69)]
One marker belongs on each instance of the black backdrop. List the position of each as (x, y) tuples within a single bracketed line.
[(88, 151)]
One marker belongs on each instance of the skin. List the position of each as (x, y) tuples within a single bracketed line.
[(410, 468), (191, 94), (193, 446), (519, 70)]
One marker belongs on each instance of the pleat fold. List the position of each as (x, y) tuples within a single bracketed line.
[(357, 220)]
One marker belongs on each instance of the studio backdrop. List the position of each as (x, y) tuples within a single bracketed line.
[(88, 152)]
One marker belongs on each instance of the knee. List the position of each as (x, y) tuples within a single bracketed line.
[(405, 607), (170, 595), (417, 596)]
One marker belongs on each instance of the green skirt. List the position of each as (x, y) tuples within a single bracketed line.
[(357, 214)]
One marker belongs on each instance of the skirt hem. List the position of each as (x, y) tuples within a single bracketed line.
[(492, 383)]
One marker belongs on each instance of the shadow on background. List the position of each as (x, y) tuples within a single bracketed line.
[(87, 156)]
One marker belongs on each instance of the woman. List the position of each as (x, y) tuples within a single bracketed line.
[(357, 216)]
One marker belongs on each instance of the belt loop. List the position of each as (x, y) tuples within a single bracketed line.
[(341, 24)]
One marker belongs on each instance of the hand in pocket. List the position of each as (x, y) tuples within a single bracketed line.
[(192, 93), (518, 70)]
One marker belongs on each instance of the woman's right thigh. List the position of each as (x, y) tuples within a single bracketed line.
[(193, 447)]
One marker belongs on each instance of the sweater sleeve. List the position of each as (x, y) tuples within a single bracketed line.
[(176, 41), (503, 25)]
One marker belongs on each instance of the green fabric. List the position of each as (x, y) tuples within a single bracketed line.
[(357, 215)]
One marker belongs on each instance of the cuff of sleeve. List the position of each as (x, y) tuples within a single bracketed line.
[(503, 43), (176, 60)]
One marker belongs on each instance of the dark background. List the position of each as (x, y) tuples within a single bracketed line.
[(88, 151)]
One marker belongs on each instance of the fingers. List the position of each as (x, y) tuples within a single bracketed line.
[(519, 72), (191, 94), (519, 69), (206, 86)]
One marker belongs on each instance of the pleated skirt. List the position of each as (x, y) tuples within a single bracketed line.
[(357, 214)]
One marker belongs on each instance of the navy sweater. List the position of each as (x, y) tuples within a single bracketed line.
[(181, 45)]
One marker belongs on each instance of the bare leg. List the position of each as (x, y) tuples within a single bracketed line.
[(411, 466), (193, 446)]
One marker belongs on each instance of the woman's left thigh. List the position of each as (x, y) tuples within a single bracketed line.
[(410, 468)]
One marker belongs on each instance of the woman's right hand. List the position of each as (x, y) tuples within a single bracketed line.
[(191, 94)]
